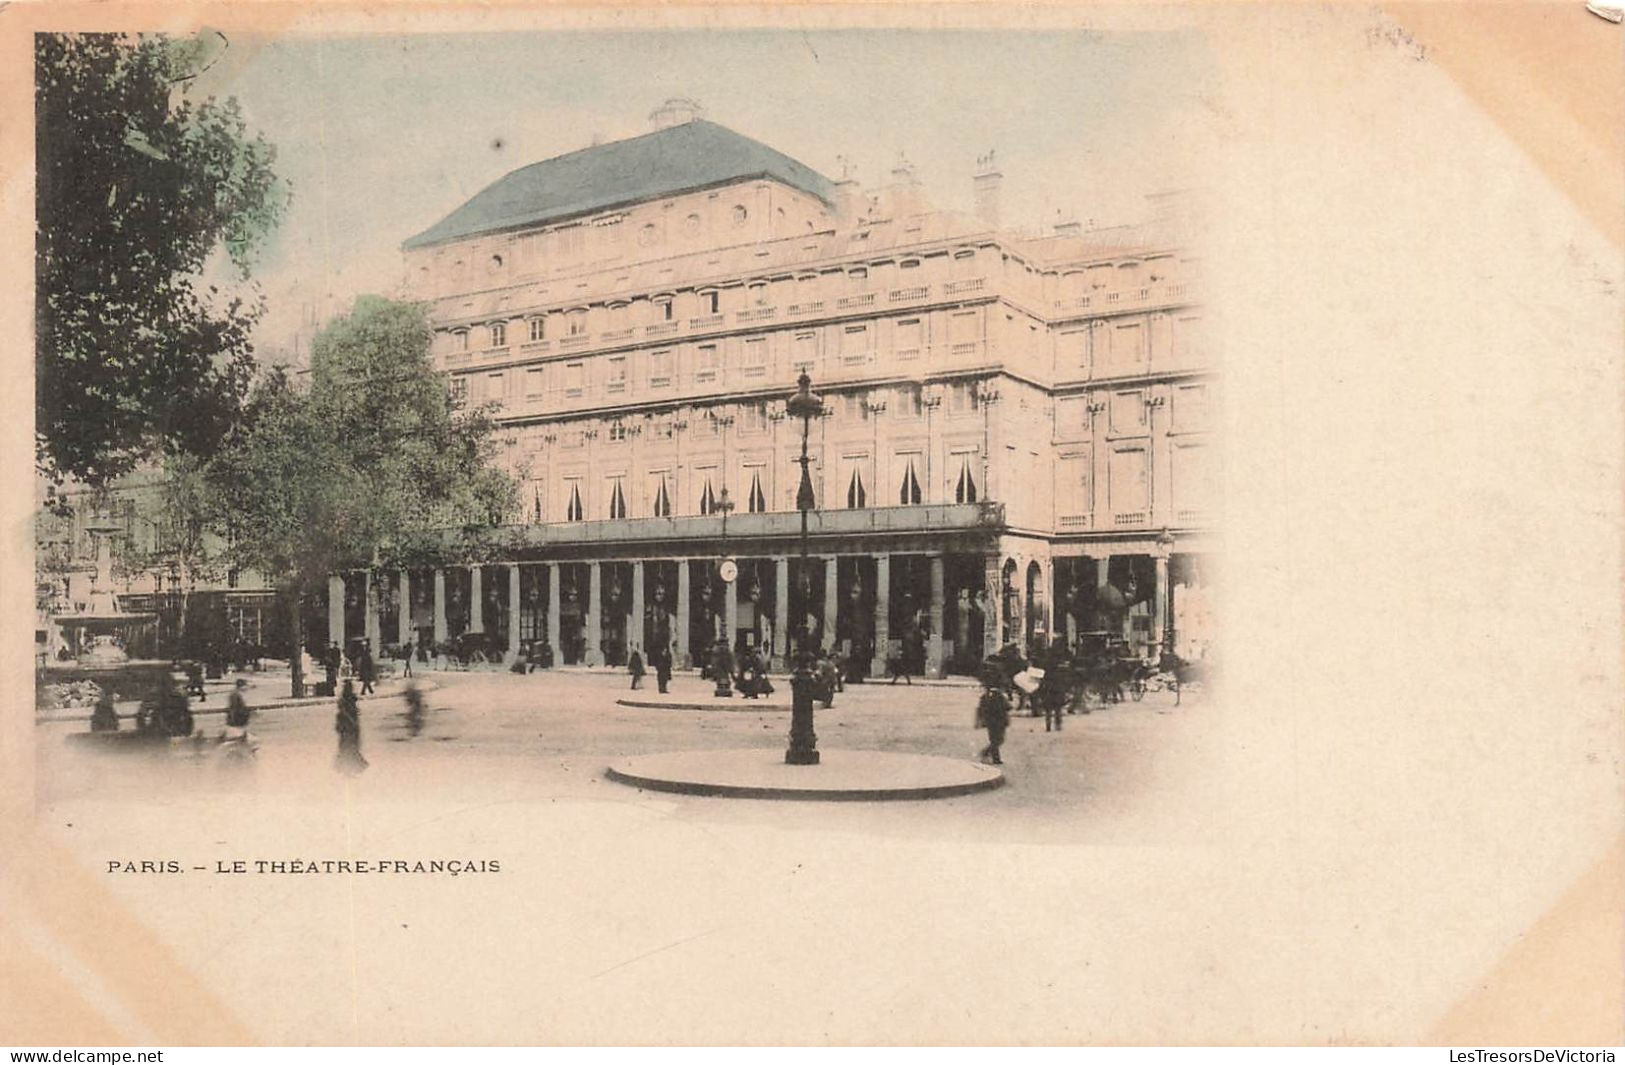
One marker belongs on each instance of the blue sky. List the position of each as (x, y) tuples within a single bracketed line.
[(381, 136)]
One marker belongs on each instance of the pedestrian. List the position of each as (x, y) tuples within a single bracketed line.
[(826, 680), (364, 669), (166, 711), (406, 654), (414, 709), (993, 713), (348, 726), (237, 711), (194, 680), (237, 744), (660, 658), (634, 666), (334, 659), (105, 718)]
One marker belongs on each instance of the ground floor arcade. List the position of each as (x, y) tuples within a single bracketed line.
[(933, 608)]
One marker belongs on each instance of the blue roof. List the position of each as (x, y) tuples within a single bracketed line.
[(682, 158)]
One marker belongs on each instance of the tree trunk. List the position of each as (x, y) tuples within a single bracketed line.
[(296, 656)]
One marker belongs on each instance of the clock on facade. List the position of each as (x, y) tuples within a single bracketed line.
[(728, 570)]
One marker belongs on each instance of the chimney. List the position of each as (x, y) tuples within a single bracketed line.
[(905, 195), (985, 189), (849, 202), (674, 112)]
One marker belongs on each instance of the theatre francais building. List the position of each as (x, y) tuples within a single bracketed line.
[(1016, 436)]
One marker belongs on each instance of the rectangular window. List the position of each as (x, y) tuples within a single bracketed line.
[(965, 481), (1128, 485), (617, 500), (805, 352), (706, 478), (573, 510), (615, 374), (758, 495), (710, 302), (533, 383), (908, 402), (908, 484), (758, 294), (499, 334), (660, 493), (706, 363), (753, 418), (538, 329), (857, 493), (575, 380), (660, 369), (576, 323), (494, 386), (910, 338), (854, 345), (663, 309), (459, 388), (962, 329), (754, 362), (459, 340), (1128, 411)]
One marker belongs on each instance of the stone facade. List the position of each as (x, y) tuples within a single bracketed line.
[(1013, 421)]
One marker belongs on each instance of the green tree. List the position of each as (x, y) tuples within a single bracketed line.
[(369, 464), (143, 197)]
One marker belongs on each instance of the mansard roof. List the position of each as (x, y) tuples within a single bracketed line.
[(681, 158)]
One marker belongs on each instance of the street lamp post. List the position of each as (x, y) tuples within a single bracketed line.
[(803, 749)]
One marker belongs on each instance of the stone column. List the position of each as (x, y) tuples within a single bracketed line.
[(1103, 566), (993, 609), (784, 651), (476, 599), (595, 620), (679, 626), (553, 612), (877, 664), (513, 613), (335, 610), (1159, 608), (439, 606), (933, 642), (403, 617), (634, 623), (1018, 621), (832, 599), (730, 612), (370, 613)]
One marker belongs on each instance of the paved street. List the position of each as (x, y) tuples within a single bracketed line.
[(549, 736)]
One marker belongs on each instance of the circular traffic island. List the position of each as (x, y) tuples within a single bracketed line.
[(840, 776), (701, 701)]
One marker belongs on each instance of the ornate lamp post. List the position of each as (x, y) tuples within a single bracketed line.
[(803, 748)]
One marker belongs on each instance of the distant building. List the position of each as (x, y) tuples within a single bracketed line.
[(1018, 437)]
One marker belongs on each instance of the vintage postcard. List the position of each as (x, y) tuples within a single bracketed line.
[(850, 524)]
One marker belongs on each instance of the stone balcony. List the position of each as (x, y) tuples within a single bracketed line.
[(715, 532)]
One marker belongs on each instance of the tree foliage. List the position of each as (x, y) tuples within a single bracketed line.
[(371, 463), (143, 195)]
